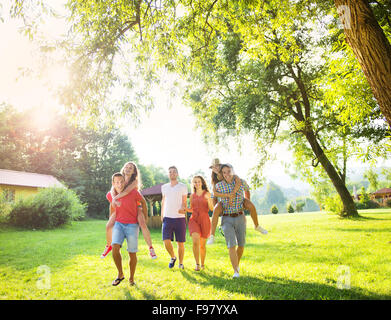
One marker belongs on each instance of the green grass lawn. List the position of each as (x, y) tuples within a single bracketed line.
[(304, 256)]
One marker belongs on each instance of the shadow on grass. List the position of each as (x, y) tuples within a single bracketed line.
[(25, 250), (275, 288)]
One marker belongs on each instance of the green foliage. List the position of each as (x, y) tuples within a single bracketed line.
[(274, 209), (5, 207), (82, 158), (365, 201), (300, 206), (50, 208), (290, 208), (364, 198), (333, 204)]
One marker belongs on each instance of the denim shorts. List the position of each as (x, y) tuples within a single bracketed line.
[(173, 226), (234, 229), (129, 231)]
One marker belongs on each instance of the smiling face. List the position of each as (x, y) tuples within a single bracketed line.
[(197, 183), (118, 183), (216, 168), (172, 174), (128, 169), (227, 174)]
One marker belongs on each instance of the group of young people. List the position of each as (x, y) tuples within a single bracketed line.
[(128, 212)]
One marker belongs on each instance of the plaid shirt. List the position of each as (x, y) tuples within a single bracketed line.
[(224, 187)]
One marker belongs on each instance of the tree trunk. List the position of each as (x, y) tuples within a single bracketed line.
[(371, 48), (349, 208)]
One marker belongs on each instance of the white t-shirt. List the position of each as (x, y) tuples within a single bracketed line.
[(173, 199)]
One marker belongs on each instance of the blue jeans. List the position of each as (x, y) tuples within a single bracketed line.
[(129, 231)]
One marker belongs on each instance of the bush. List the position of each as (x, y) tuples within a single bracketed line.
[(5, 208), (50, 208), (388, 203), (274, 209), (333, 204), (290, 208)]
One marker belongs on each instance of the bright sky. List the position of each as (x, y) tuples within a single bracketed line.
[(167, 137)]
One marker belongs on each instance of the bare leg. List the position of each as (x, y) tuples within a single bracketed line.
[(109, 229), (132, 266), (144, 227), (217, 211), (118, 260), (196, 246), (233, 255), (203, 250), (169, 248), (181, 251), (248, 205), (239, 253)]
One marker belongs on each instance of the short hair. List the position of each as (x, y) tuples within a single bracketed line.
[(117, 174), (173, 167)]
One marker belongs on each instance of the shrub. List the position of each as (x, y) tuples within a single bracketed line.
[(274, 209), (333, 204), (388, 203), (50, 208), (5, 208), (300, 206), (290, 208)]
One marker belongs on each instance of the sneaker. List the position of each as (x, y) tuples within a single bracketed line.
[(261, 230), (181, 266), (106, 251), (152, 253), (236, 275), (211, 239), (172, 263)]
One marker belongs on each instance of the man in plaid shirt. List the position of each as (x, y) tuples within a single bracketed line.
[(233, 221)]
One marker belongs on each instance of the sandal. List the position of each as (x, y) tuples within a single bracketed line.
[(117, 281), (132, 283), (197, 268)]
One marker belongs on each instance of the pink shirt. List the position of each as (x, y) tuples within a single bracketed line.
[(127, 211)]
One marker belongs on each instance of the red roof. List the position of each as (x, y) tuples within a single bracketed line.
[(382, 191), (28, 179), (155, 190)]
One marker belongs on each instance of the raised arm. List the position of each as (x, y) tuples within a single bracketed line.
[(127, 190)]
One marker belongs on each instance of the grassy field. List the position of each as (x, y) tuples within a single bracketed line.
[(304, 256)]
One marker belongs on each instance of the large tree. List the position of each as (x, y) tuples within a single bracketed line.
[(249, 60), (370, 46)]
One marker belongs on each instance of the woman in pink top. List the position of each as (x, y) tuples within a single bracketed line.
[(199, 223)]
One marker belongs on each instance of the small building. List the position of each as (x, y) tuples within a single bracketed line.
[(381, 196), (19, 184)]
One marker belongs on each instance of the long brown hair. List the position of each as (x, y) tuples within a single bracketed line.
[(135, 174), (204, 185)]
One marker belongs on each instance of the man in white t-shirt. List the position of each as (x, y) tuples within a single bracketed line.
[(174, 205)]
